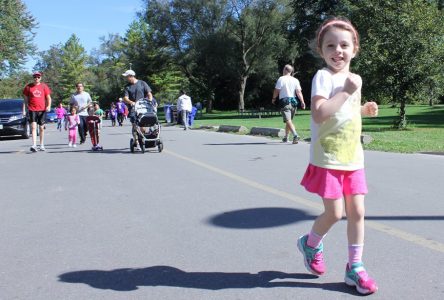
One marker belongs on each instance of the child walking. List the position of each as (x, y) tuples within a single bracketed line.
[(61, 114), (73, 122), (336, 168)]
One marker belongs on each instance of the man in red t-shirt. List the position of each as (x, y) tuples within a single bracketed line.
[(38, 101)]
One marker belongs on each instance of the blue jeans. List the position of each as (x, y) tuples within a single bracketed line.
[(59, 124)]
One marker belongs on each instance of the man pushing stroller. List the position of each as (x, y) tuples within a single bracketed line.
[(135, 89)]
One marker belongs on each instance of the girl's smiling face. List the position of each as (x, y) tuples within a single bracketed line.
[(338, 49)]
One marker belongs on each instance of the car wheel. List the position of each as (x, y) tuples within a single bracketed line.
[(27, 131)]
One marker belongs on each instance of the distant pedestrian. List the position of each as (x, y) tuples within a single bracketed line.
[(113, 114), (336, 168), (73, 121), (98, 112), (287, 87), (37, 100), (184, 107), (83, 101), (126, 113), (61, 115), (120, 111)]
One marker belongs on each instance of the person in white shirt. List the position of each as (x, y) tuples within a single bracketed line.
[(287, 87), (184, 107), (83, 101)]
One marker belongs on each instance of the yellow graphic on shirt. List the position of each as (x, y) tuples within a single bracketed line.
[(342, 145)]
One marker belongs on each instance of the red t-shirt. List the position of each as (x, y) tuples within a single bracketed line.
[(36, 96)]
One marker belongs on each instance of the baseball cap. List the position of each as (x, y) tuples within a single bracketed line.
[(129, 73), (36, 74)]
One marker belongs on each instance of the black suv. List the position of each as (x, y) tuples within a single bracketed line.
[(12, 121)]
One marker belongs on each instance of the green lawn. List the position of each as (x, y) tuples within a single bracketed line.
[(425, 132)]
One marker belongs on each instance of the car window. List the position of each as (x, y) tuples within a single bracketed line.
[(11, 105)]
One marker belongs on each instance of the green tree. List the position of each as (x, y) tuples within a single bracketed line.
[(177, 26), (142, 51), (402, 51), (219, 44), (256, 27), (74, 66), (168, 84), (50, 63), (106, 66), (63, 66), (307, 16), (12, 86), (16, 35)]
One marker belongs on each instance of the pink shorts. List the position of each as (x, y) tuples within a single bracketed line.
[(334, 184)]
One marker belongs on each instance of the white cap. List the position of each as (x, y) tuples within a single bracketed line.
[(129, 73)]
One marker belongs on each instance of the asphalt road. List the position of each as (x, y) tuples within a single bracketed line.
[(214, 216)]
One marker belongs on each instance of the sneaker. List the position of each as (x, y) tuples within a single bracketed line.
[(69, 144), (74, 145), (42, 148), (285, 140), (296, 139), (138, 148), (313, 257), (33, 149), (357, 276)]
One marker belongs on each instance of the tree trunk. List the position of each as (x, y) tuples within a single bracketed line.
[(401, 122), (209, 106), (243, 85)]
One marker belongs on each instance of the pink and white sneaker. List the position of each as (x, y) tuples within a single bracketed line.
[(313, 257), (357, 276)]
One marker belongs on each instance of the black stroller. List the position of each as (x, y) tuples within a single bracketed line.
[(147, 126)]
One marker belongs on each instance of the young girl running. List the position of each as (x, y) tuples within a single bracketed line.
[(336, 168), (73, 122)]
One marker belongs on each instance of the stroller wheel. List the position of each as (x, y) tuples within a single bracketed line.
[(142, 145), (160, 146), (132, 145)]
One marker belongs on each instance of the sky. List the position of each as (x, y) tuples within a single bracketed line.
[(88, 19)]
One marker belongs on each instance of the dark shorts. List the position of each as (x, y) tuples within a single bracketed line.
[(37, 116), (132, 116)]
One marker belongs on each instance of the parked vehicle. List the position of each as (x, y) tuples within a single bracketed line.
[(12, 121), (51, 116)]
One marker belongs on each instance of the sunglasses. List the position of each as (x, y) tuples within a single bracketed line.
[(37, 76)]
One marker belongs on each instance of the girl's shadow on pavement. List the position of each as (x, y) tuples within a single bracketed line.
[(130, 279)]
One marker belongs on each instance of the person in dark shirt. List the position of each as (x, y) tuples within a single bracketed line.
[(135, 89)]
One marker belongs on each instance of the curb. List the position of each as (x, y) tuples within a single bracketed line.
[(267, 131), (208, 127), (229, 128), (274, 132)]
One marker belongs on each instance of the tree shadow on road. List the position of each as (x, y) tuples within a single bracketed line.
[(129, 279), (262, 217), (266, 217)]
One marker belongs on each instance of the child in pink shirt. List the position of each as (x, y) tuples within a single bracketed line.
[(73, 121), (61, 113)]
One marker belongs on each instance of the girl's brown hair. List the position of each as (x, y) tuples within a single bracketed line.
[(341, 23)]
